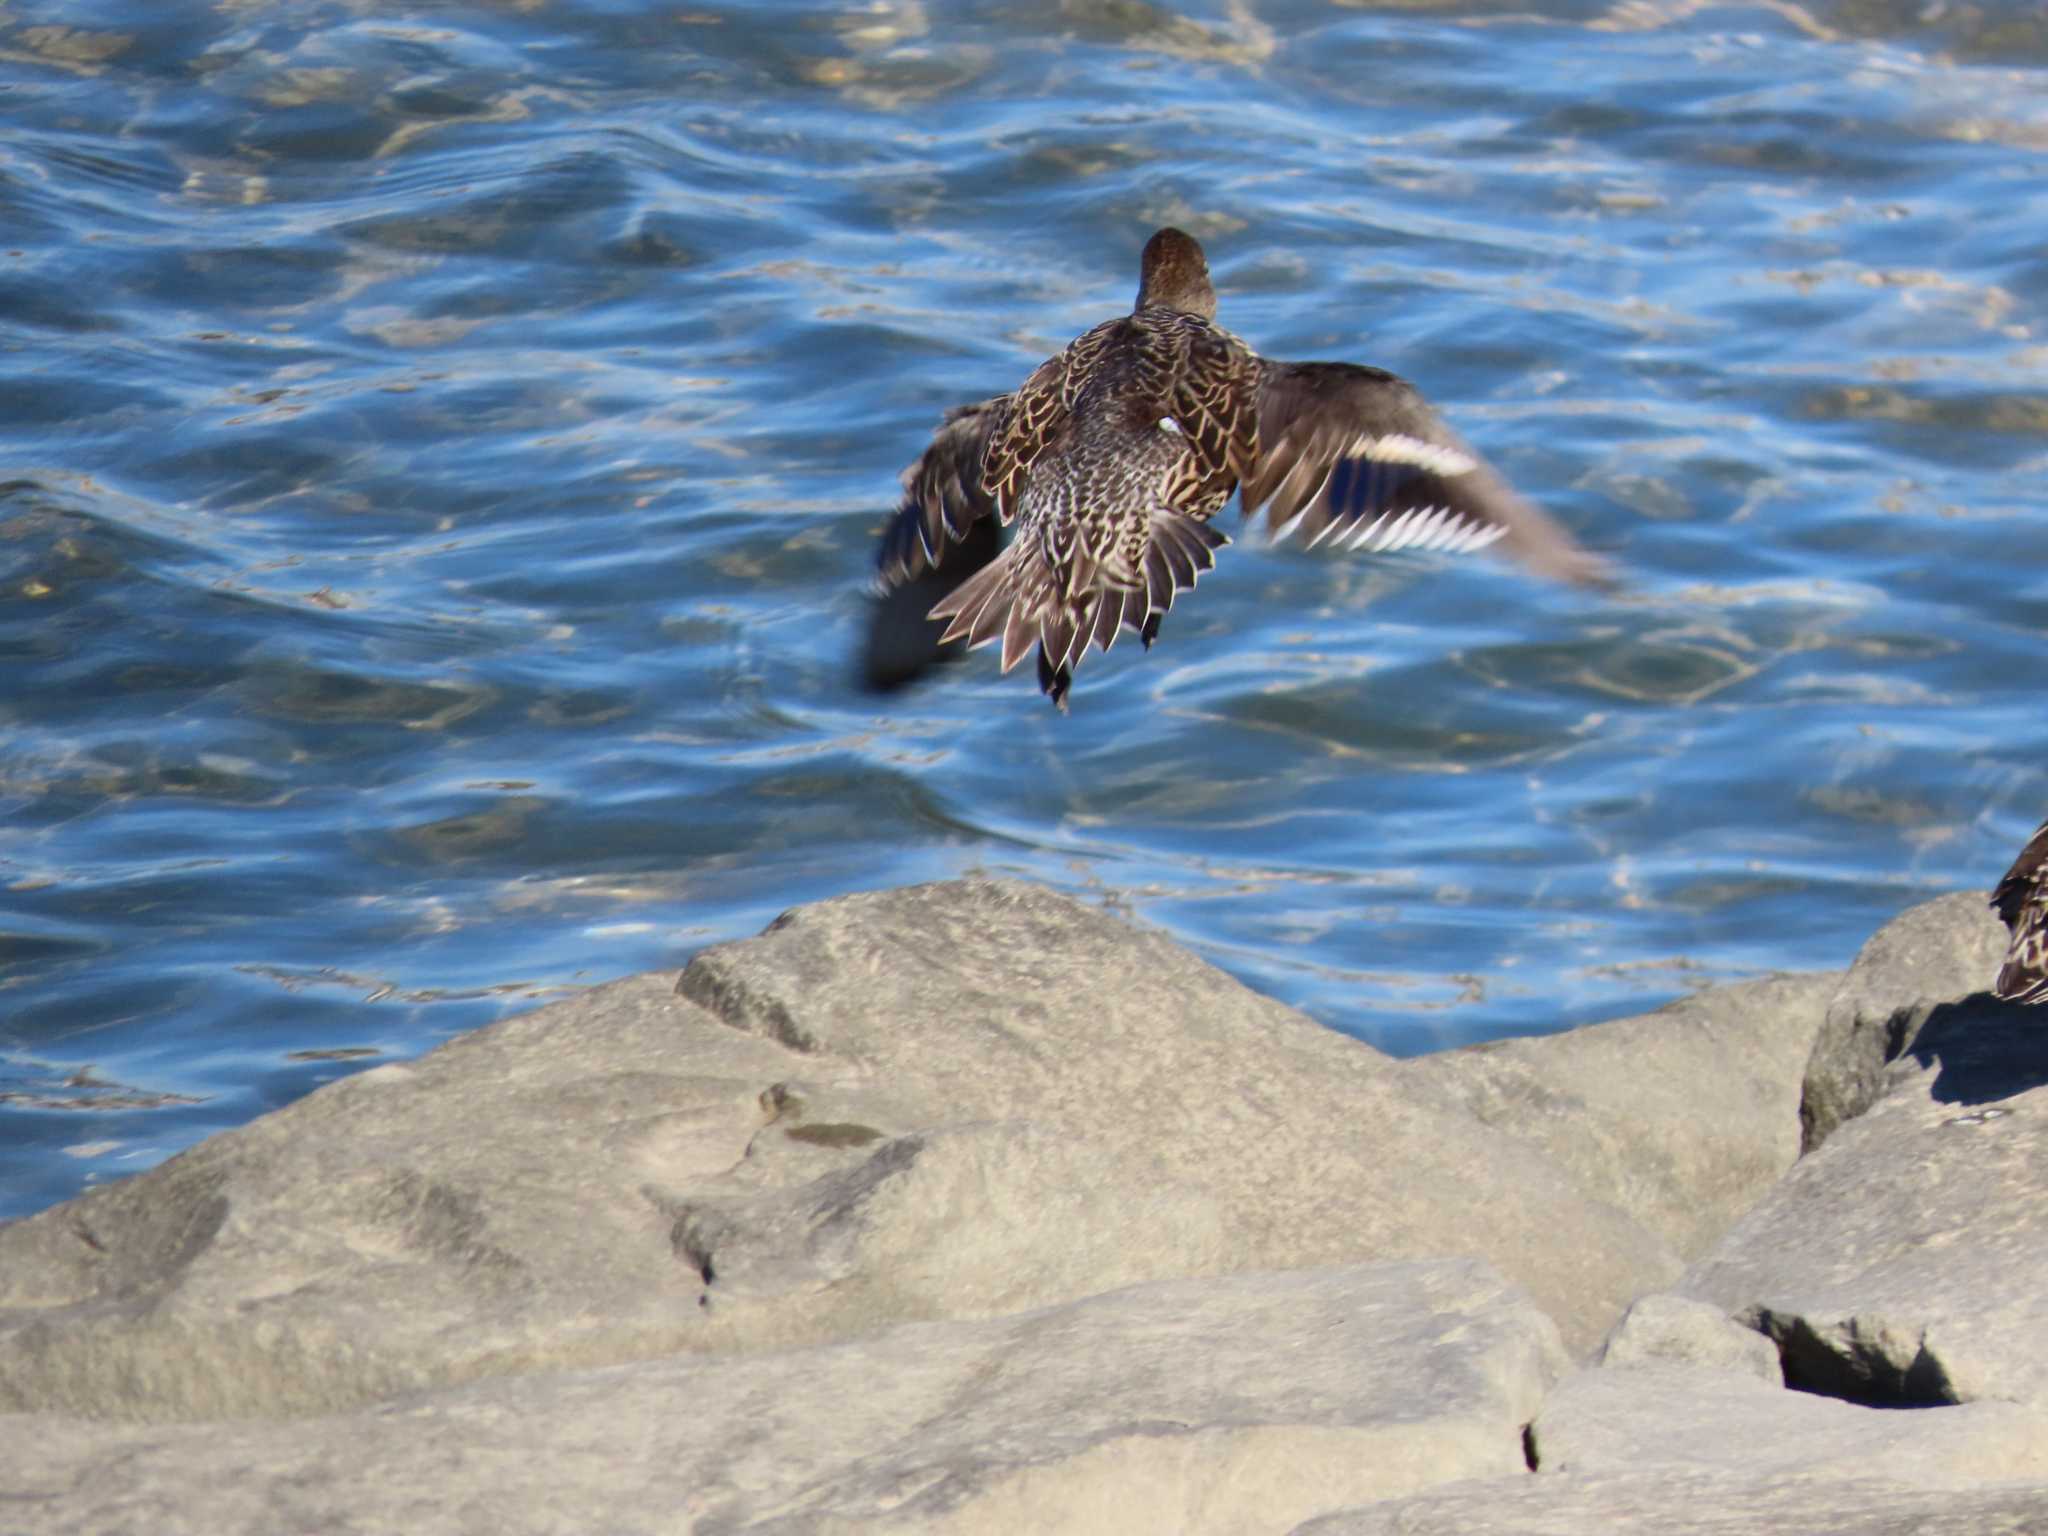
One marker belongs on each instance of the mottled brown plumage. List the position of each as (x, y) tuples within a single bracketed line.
[(2022, 901), (1112, 458)]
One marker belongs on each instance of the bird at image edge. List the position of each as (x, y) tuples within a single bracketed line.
[(1113, 457), (2022, 901)]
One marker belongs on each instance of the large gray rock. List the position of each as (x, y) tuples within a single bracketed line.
[(1718, 1421), (1903, 1261), (1186, 1124), (1937, 952), (480, 1210), (1662, 1330), (954, 1101), (1235, 1404), (1682, 1117), (1660, 1502)]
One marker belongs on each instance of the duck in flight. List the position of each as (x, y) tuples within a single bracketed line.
[(1113, 457)]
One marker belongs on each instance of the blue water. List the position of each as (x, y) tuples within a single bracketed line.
[(443, 450)]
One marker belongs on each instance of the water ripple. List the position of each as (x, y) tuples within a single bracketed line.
[(443, 455)]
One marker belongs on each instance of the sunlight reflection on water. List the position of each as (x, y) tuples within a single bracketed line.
[(443, 458)]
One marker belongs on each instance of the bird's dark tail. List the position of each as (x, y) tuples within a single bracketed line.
[(1054, 681)]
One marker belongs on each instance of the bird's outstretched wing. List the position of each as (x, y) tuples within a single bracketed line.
[(1354, 458), (943, 498)]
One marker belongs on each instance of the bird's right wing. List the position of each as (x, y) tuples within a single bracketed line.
[(943, 498)]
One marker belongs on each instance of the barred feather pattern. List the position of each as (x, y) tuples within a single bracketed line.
[(1038, 414), (1101, 546), (2022, 901), (1111, 458), (943, 495)]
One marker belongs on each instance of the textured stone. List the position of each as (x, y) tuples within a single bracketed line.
[(1664, 1330), (1681, 1117), (1236, 1404), (1937, 952), (950, 1101), (1902, 1262), (1660, 1502), (1259, 1137), (480, 1210), (821, 1240), (1677, 1417)]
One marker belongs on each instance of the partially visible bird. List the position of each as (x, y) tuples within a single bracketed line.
[(1112, 458), (2022, 901)]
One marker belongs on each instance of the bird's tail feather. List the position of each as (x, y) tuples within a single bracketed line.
[(1019, 598), (1012, 597)]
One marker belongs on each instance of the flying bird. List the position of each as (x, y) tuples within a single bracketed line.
[(2022, 901), (1112, 459)]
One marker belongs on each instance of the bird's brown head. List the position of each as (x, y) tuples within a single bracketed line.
[(1175, 273)]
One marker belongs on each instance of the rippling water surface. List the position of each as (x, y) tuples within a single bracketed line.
[(443, 448)]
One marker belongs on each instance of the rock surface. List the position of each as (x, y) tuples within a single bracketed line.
[(1937, 952), (1665, 1330), (1902, 1262), (948, 1101), (1228, 1130), (1663, 1503), (484, 1209), (1718, 1421), (1235, 1404), (1681, 1118), (970, 1208)]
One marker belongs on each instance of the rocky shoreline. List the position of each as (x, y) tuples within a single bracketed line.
[(970, 1207)]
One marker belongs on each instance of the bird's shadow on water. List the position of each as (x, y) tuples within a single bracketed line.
[(1982, 1049), (901, 645)]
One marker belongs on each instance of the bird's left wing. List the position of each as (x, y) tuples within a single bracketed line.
[(1354, 458)]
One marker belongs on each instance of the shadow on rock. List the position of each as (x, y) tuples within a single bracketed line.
[(1982, 1049)]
